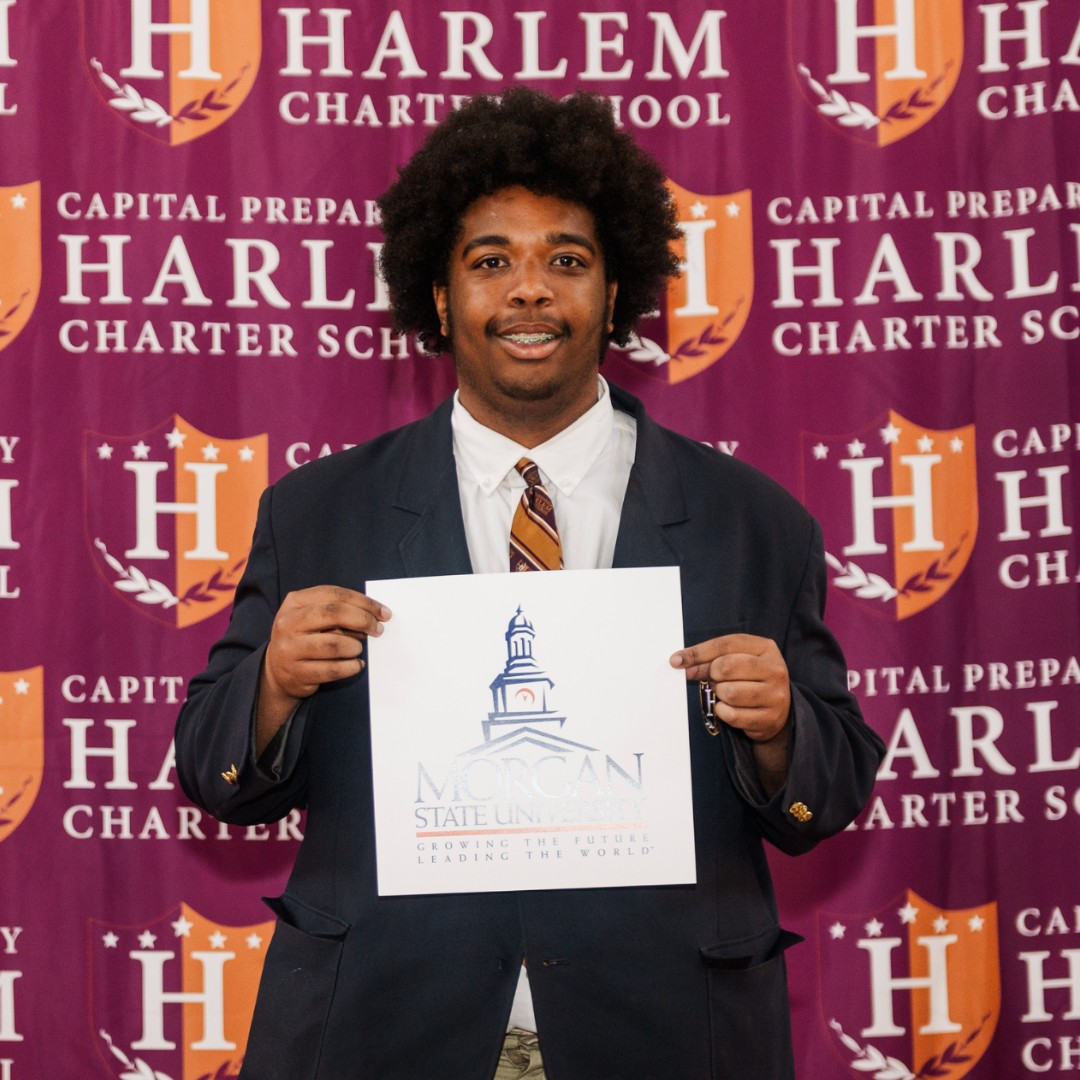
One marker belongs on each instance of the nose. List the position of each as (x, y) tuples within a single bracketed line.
[(530, 285)]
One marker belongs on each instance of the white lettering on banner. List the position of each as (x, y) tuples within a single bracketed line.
[(155, 997), (1038, 983), (1029, 34), (107, 822), (865, 502), (7, 538), (299, 453), (1051, 499), (6, 61), (467, 35), (978, 728), (10, 934), (849, 31), (1054, 439), (145, 689), (883, 984), (8, 1031), (869, 206), (140, 206), (147, 510), (143, 30), (117, 753), (1030, 922)]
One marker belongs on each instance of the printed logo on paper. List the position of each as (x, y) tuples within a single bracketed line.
[(169, 515), (172, 999), (20, 267), (526, 776), (878, 71), (899, 508), (173, 69), (706, 307), (22, 745), (912, 990)]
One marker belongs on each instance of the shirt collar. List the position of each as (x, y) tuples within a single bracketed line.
[(564, 459)]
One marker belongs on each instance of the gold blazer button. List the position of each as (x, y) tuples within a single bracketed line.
[(800, 812)]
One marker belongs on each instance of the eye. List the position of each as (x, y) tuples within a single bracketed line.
[(489, 262), (569, 261)]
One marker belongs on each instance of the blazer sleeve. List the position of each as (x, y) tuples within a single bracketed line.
[(834, 754), (215, 727)]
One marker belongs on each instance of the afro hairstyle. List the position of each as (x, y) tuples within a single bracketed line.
[(570, 149)]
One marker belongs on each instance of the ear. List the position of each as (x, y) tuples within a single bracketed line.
[(612, 290), (439, 292)]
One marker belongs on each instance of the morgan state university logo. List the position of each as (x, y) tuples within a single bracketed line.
[(173, 69), (170, 514), (705, 309), (173, 1000), (20, 268), (879, 79), (912, 991), (924, 480), (22, 745)]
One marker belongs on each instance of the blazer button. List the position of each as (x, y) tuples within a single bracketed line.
[(800, 812), (231, 776)]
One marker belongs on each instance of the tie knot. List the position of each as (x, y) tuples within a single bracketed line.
[(529, 471)]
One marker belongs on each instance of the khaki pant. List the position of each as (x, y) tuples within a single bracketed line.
[(520, 1058)]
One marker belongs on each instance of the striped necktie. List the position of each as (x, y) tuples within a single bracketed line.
[(534, 539)]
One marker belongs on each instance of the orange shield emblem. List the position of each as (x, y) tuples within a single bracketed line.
[(22, 745), (174, 70), (883, 79), (913, 989), (924, 480), (175, 996), (706, 308), (20, 268), (170, 514)]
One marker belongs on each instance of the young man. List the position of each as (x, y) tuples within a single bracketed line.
[(523, 237)]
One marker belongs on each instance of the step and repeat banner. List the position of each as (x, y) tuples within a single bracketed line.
[(880, 308)]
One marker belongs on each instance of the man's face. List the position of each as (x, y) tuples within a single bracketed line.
[(526, 307)]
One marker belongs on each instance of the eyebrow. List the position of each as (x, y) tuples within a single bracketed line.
[(554, 239)]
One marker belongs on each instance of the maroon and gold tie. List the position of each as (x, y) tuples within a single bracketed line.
[(534, 539)]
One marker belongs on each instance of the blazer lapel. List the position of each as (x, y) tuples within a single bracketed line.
[(655, 502), (433, 540)]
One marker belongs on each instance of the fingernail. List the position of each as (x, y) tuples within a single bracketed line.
[(676, 659)]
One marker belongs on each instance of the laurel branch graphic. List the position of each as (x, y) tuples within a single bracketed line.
[(4, 819), (146, 110), (854, 114), (137, 1069), (147, 590), (11, 311), (871, 1060), (643, 350), (934, 573), (866, 586)]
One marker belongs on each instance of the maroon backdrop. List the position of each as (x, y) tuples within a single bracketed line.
[(881, 207)]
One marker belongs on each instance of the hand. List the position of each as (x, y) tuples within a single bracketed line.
[(317, 637), (749, 680)]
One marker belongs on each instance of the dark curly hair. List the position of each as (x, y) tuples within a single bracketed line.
[(570, 149)]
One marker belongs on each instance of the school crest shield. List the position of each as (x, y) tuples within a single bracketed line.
[(172, 69), (22, 745), (169, 516), (911, 990), (705, 309), (20, 268), (877, 70), (172, 998), (899, 508)]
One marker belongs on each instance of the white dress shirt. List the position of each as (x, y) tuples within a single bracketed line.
[(585, 469)]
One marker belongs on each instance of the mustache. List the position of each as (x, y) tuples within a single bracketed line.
[(535, 324)]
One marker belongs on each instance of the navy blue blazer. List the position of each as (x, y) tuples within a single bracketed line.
[(639, 983)]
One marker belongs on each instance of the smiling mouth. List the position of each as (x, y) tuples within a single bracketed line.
[(529, 339)]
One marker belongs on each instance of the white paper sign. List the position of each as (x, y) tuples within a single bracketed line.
[(528, 732)]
